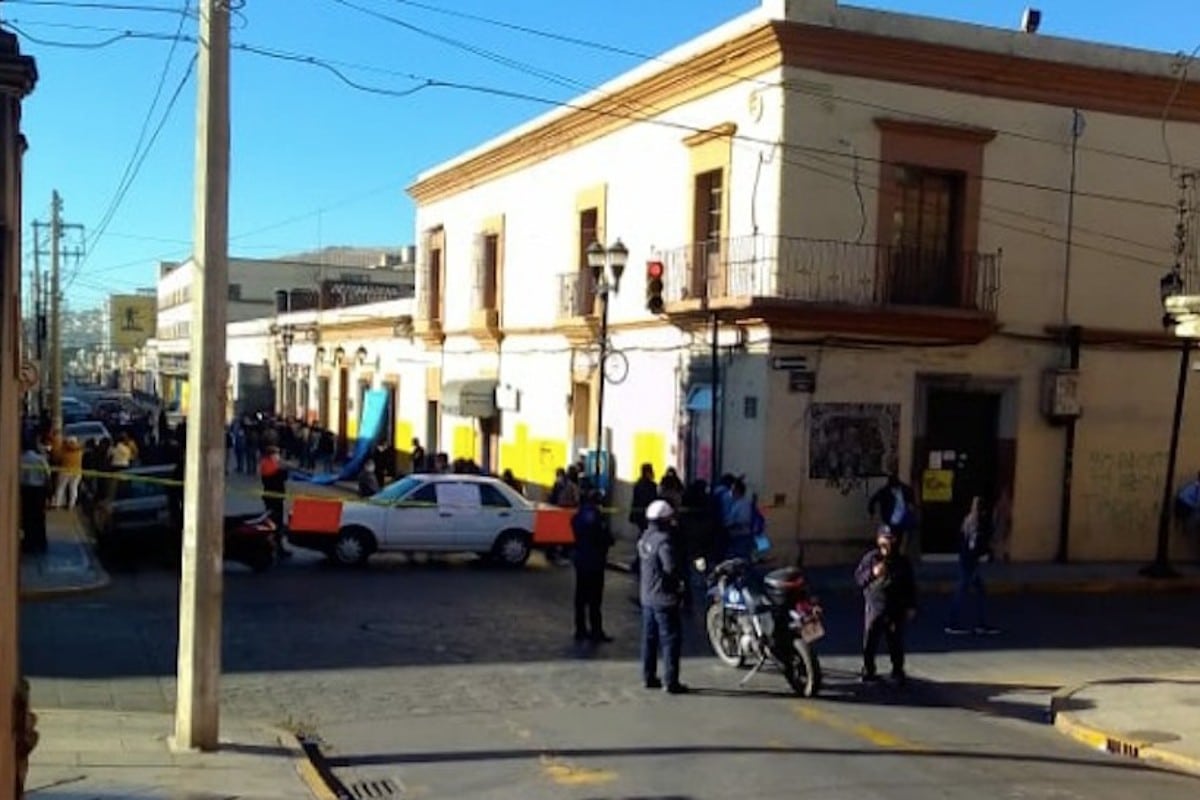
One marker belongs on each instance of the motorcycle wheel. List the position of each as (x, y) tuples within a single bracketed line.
[(804, 671), (723, 641)]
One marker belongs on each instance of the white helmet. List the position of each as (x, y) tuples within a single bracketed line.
[(659, 511)]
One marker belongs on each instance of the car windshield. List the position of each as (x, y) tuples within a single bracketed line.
[(395, 491)]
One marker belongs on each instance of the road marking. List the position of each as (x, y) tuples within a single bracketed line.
[(566, 774), (876, 736)]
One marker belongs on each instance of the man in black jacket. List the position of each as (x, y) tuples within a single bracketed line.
[(896, 506), (592, 542), (890, 591)]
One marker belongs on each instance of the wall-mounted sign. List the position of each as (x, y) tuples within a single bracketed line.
[(937, 486), (789, 362), (508, 398), (802, 381)]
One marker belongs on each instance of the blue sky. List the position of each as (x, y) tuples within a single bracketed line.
[(316, 162)]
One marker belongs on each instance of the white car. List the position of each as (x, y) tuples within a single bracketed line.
[(433, 513), (89, 432)]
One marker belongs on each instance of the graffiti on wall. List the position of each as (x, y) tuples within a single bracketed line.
[(850, 442), (1125, 489)]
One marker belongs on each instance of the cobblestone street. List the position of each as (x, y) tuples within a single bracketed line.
[(481, 654)]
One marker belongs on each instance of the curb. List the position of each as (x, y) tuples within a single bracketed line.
[(316, 773), (51, 593), (1113, 743)]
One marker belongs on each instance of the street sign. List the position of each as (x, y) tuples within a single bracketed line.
[(802, 381), (789, 362), (30, 376)]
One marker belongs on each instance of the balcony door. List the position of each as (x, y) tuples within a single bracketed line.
[(708, 273), (926, 237)]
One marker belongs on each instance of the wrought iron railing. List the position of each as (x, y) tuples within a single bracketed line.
[(576, 297), (835, 272)]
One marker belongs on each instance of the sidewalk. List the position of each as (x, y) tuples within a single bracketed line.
[(103, 755), (1153, 719), (69, 566)]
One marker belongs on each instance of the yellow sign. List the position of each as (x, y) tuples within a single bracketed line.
[(132, 319), (937, 485)]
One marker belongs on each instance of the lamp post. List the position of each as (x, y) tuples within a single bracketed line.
[(607, 266), (286, 337), (1170, 287)]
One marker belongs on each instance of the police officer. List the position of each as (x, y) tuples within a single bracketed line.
[(889, 590), (662, 586)]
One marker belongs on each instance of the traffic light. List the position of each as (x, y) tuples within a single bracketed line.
[(654, 287)]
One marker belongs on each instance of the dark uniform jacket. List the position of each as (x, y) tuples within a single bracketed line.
[(660, 575), (592, 538), (894, 592)]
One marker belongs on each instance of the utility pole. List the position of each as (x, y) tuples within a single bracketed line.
[(39, 318), (55, 313), (197, 706), (48, 297)]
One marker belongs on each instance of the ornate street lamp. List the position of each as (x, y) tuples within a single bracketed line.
[(607, 266)]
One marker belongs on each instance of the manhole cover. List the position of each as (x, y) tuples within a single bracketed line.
[(1152, 737), (376, 788)]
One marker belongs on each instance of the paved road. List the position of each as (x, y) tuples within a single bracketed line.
[(453, 679)]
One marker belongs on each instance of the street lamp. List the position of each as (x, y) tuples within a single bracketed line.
[(1170, 286), (604, 281)]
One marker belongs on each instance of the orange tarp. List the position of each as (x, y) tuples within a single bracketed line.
[(312, 515), (552, 526)]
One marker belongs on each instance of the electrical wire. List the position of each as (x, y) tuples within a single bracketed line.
[(1166, 114), (75, 5), (426, 82), (718, 71), (138, 156)]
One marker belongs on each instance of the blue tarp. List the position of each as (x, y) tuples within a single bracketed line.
[(370, 426)]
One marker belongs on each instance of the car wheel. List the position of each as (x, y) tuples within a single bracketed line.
[(353, 547), (512, 548)]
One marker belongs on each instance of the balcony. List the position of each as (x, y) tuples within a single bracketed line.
[(577, 316), (843, 287)]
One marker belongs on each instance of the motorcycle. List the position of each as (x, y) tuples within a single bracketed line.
[(768, 618)]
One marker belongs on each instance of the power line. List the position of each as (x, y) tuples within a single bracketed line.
[(426, 82), (90, 6), (609, 48), (138, 156)]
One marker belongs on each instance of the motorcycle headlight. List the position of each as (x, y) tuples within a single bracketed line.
[(701, 564)]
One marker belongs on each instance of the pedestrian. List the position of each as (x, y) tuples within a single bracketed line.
[(662, 586), (645, 492), (418, 457), (889, 590), (568, 495), (70, 474), (121, 454), (385, 461), (593, 538), (974, 550), (895, 505), (35, 477), (671, 488), (739, 522), (368, 479), (511, 481), (274, 483)]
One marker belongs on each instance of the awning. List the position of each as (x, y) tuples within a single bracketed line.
[(473, 398), (700, 399)]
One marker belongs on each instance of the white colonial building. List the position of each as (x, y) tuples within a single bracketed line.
[(834, 193)]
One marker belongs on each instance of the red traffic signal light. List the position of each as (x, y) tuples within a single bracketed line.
[(654, 286)]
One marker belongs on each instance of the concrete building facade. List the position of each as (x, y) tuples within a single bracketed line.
[(891, 222)]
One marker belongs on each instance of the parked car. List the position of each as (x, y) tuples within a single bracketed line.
[(434, 514), (87, 432), (132, 519)]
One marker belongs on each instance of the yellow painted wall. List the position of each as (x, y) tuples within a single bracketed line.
[(649, 447), (532, 459), (464, 442)]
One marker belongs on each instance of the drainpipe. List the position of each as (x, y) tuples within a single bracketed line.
[(1064, 519)]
